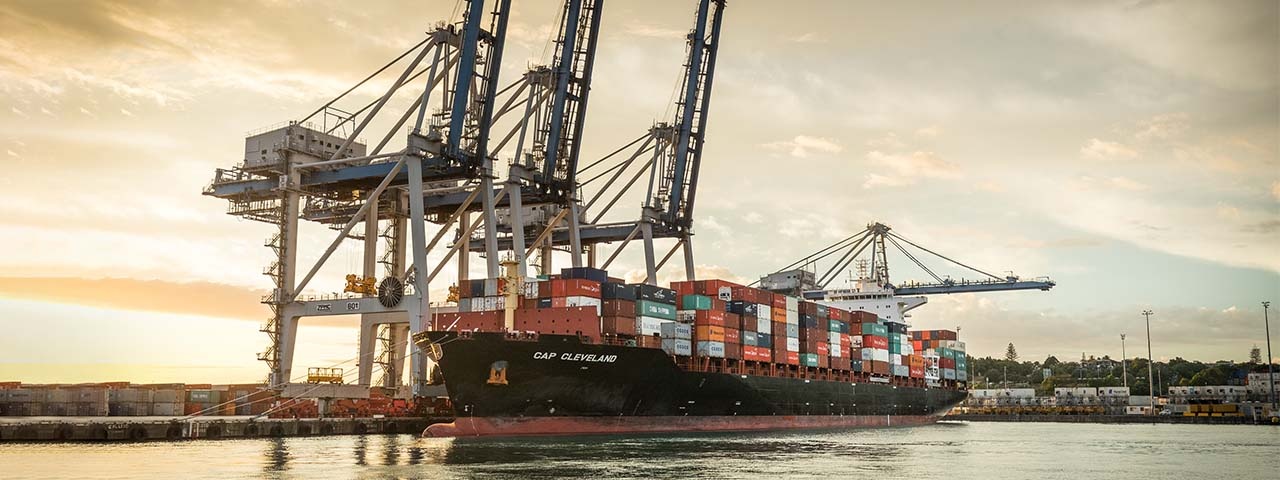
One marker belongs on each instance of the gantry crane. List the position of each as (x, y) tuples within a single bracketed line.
[(797, 279), (675, 157)]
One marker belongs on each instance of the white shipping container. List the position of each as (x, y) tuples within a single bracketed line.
[(793, 305), (580, 302), (901, 370), (677, 346), (530, 288), (676, 330), (855, 341), (948, 374), (835, 351), (793, 317), (932, 373), (895, 358), (649, 326), (833, 338), (711, 349), (686, 316), (725, 293), (764, 311), (1113, 391), (878, 354), (793, 344), (1085, 392), (763, 325)]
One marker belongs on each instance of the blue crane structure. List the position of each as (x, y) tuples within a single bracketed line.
[(675, 156), (877, 237), (457, 121)]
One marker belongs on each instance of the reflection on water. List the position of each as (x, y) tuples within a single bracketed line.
[(276, 455), (992, 450)]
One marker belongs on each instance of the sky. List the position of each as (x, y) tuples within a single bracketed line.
[(1128, 150)]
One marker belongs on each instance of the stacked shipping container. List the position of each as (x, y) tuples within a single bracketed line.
[(716, 319)]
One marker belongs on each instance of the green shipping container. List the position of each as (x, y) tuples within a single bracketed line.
[(695, 302), (809, 359), (947, 353), (833, 325), (648, 308), (875, 329), (895, 348)]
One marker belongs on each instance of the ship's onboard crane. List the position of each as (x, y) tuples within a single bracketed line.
[(797, 279)]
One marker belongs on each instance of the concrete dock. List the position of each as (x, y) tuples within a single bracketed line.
[(182, 428)]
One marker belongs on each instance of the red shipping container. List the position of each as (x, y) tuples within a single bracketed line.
[(789, 358), (779, 302), (710, 317), (733, 351), (559, 302), (823, 350), (711, 288), (881, 368), (779, 343), (490, 321), (873, 341), (617, 308), (779, 331), (945, 362), (824, 361), (683, 288), (573, 287), (808, 308), (732, 335), (860, 316), (560, 321), (916, 372), (917, 345), (618, 325), (810, 345), (845, 342)]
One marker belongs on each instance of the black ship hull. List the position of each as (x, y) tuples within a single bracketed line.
[(558, 385)]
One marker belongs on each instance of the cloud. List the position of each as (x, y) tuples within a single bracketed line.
[(651, 31), (889, 141), (803, 145), (185, 298), (1087, 182), (906, 168), (928, 132), (1162, 127), (808, 37), (1103, 150)]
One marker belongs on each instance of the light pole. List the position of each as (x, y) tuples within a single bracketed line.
[(1124, 363), (1151, 386), (1271, 380)]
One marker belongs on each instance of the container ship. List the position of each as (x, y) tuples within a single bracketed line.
[(584, 353)]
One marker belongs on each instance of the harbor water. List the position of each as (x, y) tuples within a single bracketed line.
[(943, 451)]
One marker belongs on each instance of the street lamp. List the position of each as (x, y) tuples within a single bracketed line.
[(1151, 388), (1271, 380), (1124, 363)]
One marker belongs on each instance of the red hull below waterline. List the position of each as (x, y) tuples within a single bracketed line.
[(495, 426)]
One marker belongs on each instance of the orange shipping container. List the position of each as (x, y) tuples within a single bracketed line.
[(708, 333)]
